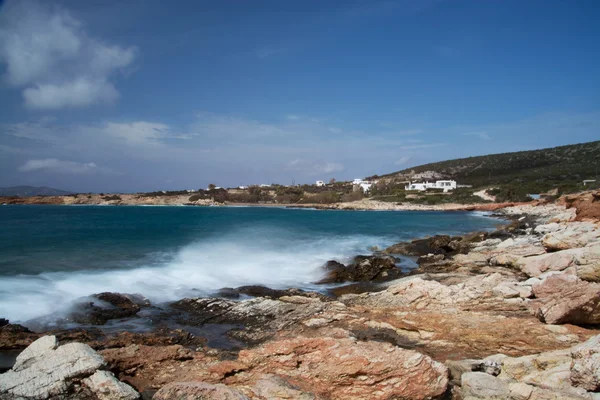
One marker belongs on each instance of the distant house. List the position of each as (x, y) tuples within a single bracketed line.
[(588, 181), (357, 181), (243, 187), (320, 183), (264, 185), (446, 186), (365, 186)]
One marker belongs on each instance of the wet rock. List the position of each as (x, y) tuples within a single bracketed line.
[(197, 390), (356, 288), (107, 387), (107, 306), (263, 291), (363, 268), (420, 247), (563, 298), (14, 336)]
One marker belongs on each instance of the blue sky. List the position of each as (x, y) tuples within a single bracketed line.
[(140, 95)]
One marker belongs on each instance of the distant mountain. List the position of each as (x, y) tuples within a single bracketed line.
[(26, 191), (572, 163)]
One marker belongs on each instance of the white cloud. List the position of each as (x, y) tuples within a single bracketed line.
[(292, 117), (402, 160), (334, 130), (480, 135), (140, 132), (79, 93), (55, 165), (49, 55), (312, 168), (267, 52)]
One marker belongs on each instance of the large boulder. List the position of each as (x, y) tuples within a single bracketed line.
[(197, 390), (44, 370), (438, 244), (343, 368), (362, 269), (563, 298), (102, 307)]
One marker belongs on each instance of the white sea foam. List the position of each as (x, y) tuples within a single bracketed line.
[(275, 258)]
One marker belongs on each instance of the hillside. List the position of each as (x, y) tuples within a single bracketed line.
[(547, 167), (26, 191)]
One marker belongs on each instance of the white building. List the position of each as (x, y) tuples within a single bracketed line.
[(357, 181), (365, 186), (320, 183), (242, 187), (446, 186)]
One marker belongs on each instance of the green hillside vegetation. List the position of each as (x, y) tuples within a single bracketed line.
[(513, 175)]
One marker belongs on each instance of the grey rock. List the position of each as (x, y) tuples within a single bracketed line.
[(107, 387), (46, 372), (479, 385)]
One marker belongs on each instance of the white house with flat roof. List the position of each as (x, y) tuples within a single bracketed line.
[(446, 186), (320, 183)]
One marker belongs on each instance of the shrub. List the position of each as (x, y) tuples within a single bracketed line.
[(110, 198)]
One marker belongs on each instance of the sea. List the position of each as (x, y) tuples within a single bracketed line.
[(50, 256)]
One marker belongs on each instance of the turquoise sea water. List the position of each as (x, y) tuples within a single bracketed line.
[(51, 255)]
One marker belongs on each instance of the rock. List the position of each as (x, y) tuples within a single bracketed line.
[(14, 336), (585, 368), (363, 268), (197, 390), (343, 368), (107, 387), (457, 368), (563, 298), (107, 306), (586, 261), (44, 372), (573, 235), (3, 322), (479, 385), (37, 349), (420, 247), (275, 387)]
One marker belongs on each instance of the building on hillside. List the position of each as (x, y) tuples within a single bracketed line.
[(446, 186), (588, 181), (320, 183), (242, 187), (365, 186), (357, 181)]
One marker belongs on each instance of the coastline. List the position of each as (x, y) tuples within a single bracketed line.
[(183, 200), (506, 308)]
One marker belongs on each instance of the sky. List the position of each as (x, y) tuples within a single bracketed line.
[(143, 95)]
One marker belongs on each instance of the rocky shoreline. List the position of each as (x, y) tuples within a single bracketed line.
[(510, 314)]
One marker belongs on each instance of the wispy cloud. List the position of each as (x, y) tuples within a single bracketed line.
[(51, 57), (403, 160), (314, 168), (266, 51), (480, 135), (60, 166)]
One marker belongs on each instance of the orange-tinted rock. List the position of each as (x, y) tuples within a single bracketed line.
[(345, 368)]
